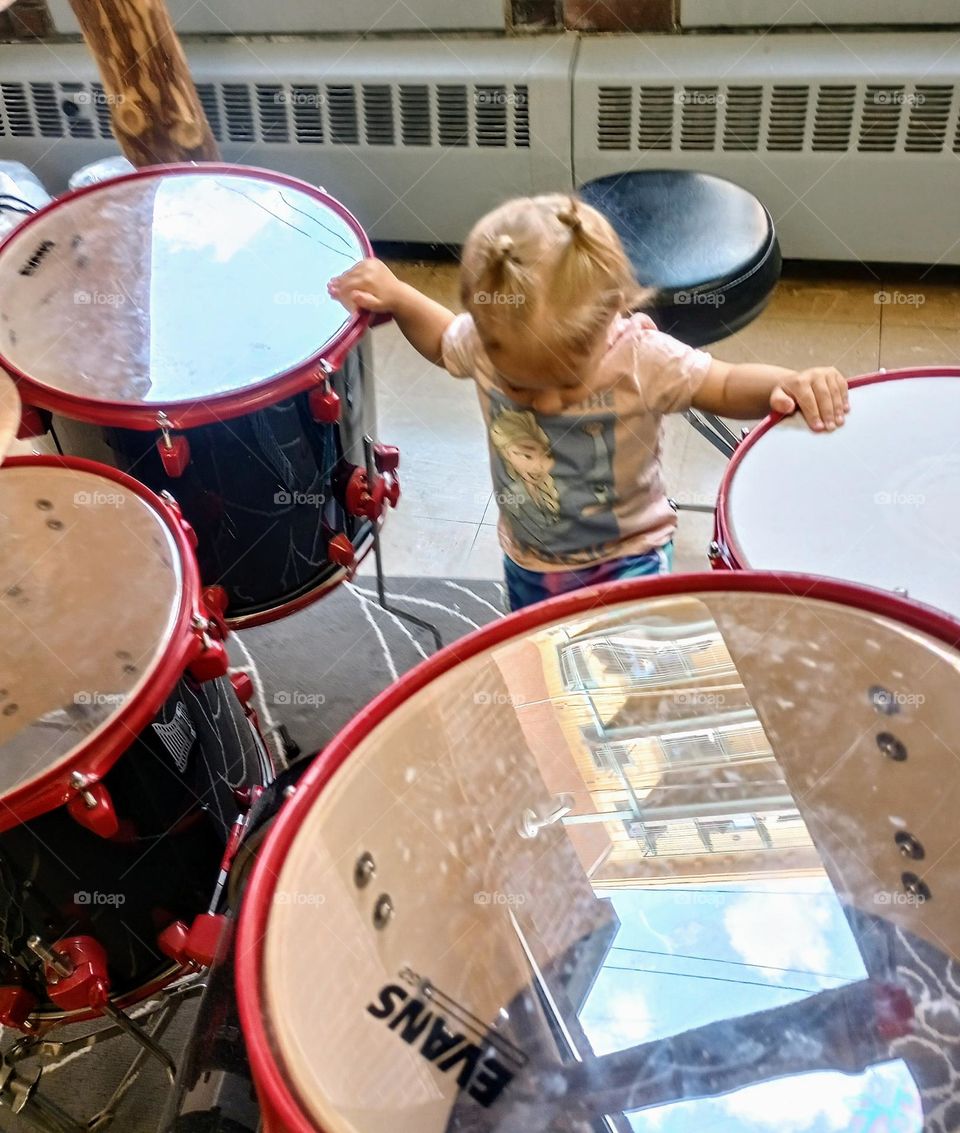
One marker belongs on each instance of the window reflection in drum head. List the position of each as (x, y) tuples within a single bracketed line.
[(605, 868), (170, 287)]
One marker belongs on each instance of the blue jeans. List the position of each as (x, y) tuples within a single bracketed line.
[(524, 587)]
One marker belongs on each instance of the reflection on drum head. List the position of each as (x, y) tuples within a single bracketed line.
[(173, 288), (683, 863), (876, 502), (9, 413), (90, 584)]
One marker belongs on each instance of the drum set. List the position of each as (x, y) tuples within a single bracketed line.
[(667, 853)]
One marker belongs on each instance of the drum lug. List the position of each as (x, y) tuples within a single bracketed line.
[(17, 1004), (33, 423), (75, 970), (174, 448), (92, 807), (387, 461), (340, 551), (211, 660), (242, 686), (717, 554), (360, 498), (199, 944), (174, 508), (324, 405)]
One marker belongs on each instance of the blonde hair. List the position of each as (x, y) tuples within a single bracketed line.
[(514, 426), (550, 261)]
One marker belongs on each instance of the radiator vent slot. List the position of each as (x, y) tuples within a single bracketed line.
[(415, 115), (614, 117), (207, 93), (741, 121), (521, 116), (788, 118), (342, 110), (306, 104), (833, 121), (929, 112), (378, 116), (698, 118), (238, 112), (490, 106), (272, 113), (880, 119), (656, 118)]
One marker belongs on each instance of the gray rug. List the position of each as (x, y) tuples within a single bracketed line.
[(315, 670)]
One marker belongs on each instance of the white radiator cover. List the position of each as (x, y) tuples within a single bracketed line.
[(417, 137), (851, 140)]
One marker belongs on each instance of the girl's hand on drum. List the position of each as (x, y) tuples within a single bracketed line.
[(369, 286), (820, 394)]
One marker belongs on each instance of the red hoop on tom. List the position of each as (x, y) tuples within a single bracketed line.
[(499, 897), (9, 413), (126, 752), (876, 502), (186, 316)]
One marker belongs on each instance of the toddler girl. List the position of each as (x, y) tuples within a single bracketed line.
[(573, 382)]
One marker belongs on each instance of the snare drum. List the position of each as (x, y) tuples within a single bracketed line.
[(672, 845), (876, 502), (186, 316), (125, 753)]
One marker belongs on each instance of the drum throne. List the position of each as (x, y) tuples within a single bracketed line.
[(705, 245)]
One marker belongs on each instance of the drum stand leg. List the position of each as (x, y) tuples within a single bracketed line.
[(23, 1096), (378, 560), (713, 429)]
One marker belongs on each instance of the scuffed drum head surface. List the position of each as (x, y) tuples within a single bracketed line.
[(613, 831), (90, 583)]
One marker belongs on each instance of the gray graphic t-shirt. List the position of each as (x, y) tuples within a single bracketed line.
[(583, 485)]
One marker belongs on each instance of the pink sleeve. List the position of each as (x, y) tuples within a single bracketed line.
[(461, 347), (668, 372)]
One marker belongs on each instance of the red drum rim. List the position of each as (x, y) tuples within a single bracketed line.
[(95, 756), (219, 407), (275, 1094), (730, 551)]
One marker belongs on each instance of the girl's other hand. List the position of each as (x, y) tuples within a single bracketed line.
[(819, 393), (369, 286)]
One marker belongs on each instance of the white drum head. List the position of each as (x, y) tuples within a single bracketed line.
[(598, 871), (172, 288), (9, 413), (876, 502), (90, 585)]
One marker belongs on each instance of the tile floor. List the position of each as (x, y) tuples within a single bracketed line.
[(446, 521)]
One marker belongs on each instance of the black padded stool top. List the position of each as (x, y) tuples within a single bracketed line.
[(705, 244)]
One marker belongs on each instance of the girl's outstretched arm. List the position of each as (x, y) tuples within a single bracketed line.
[(372, 286), (752, 389)]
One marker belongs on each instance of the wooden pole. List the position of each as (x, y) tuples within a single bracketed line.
[(156, 114)]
